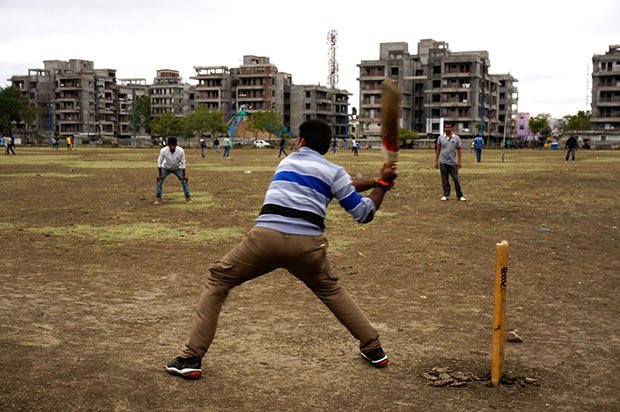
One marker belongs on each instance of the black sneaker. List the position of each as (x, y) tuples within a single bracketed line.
[(376, 357), (188, 368)]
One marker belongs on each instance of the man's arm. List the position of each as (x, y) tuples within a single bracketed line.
[(437, 150), (382, 185), (458, 154)]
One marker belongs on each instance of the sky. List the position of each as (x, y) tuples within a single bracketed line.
[(548, 46)]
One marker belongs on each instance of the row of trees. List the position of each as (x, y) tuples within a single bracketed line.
[(204, 121), (540, 123)]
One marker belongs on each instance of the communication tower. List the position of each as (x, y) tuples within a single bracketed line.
[(332, 69)]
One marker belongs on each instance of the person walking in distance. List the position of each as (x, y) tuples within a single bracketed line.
[(289, 234), (448, 161), (203, 146), (227, 146), (478, 144), (171, 160), (216, 145), (282, 148), (571, 146)]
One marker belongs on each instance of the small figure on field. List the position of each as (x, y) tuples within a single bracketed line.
[(216, 145), (203, 145), (289, 234), (571, 146), (448, 161), (69, 143), (478, 144), (227, 147), (282, 146), (171, 160), (334, 146)]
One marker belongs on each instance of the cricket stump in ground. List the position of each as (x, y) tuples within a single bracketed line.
[(499, 312)]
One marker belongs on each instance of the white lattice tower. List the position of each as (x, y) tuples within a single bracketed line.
[(332, 69)]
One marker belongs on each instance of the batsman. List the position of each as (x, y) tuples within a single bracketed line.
[(289, 234)]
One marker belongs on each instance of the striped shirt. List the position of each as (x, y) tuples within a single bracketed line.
[(303, 185)]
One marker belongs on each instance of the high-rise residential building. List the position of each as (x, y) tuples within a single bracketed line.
[(606, 90), (508, 105), (169, 94), (438, 86), (322, 103), (214, 88), (258, 85), (37, 87), (129, 91)]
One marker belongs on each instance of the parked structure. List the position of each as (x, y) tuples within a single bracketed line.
[(438, 86)]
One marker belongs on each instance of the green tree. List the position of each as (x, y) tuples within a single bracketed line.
[(29, 116), (143, 113), (204, 120), (166, 125), (407, 134), (540, 124), (580, 121), (269, 121), (12, 105)]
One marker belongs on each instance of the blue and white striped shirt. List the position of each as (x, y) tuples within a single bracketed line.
[(303, 185)]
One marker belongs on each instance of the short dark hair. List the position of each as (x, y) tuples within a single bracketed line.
[(172, 140), (317, 135)]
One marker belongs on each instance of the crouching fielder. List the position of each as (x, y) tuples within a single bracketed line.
[(289, 234)]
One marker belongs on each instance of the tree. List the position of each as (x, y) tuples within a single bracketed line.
[(269, 121), (580, 121), (12, 105), (407, 134), (29, 115), (205, 120), (540, 124), (143, 112), (166, 125)]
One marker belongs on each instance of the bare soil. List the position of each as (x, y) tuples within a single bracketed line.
[(97, 286)]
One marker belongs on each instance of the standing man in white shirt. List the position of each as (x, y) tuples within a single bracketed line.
[(171, 160), (448, 161)]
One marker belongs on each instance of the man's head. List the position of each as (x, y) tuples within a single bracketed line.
[(447, 129), (316, 135), (172, 143)]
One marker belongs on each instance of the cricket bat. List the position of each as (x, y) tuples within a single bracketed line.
[(390, 115)]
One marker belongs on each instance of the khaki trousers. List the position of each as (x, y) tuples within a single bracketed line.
[(261, 251)]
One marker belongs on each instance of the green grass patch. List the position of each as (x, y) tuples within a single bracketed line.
[(143, 231)]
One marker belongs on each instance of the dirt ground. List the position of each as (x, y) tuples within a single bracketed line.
[(97, 286)]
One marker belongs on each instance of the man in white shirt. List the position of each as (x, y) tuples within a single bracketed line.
[(171, 160)]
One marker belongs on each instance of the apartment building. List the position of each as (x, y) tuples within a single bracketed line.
[(508, 105), (606, 90), (73, 98), (438, 86), (170, 94), (320, 102), (214, 88), (129, 91)]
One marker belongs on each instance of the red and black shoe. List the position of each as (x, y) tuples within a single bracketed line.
[(188, 368), (376, 357)]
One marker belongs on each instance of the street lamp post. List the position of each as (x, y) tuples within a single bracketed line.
[(49, 123), (133, 118)]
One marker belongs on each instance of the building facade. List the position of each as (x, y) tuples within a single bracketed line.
[(606, 90), (322, 103), (438, 86)]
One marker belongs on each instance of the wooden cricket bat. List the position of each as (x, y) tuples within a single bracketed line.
[(390, 115)]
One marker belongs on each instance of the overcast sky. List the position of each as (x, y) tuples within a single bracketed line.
[(547, 46)]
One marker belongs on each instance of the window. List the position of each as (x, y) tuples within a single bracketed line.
[(394, 71), (436, 84), (307, 106), (436, 98), (436, 69), (435, 113), (308, 94)]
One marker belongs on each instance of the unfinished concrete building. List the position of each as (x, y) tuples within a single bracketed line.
[(319, 102), (129, 91), (508, 105), (438, 86), (168, 93), (214, 88), (606, 90), (258, 85), (37, 87)]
